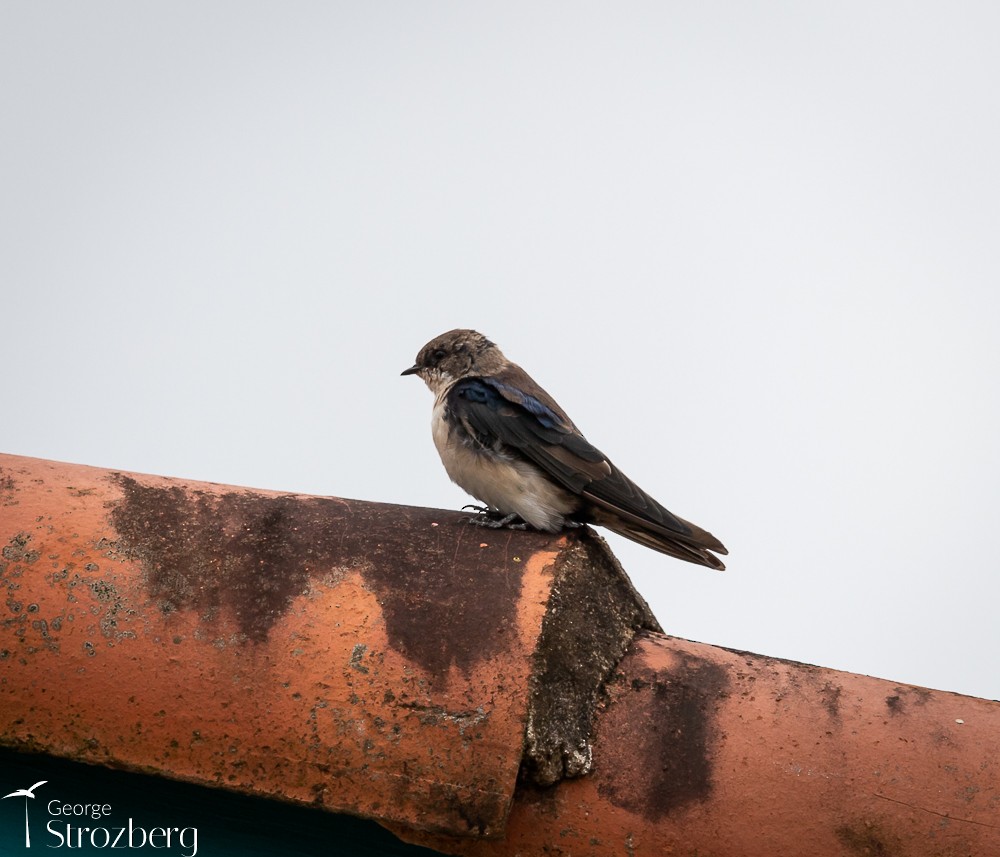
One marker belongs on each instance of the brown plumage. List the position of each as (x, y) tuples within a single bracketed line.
[(507, 442)]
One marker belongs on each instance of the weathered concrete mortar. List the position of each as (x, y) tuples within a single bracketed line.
[(593, 614)]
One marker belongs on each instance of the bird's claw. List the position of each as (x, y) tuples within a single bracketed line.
[(488, 518)]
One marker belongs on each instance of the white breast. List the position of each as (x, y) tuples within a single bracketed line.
[(503, 483)]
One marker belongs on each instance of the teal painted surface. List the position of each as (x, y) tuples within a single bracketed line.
[(202, 822)]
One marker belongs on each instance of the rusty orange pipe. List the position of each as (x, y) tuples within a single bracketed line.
[(372, 659), (702, 750), (397, 663), (273, 644)]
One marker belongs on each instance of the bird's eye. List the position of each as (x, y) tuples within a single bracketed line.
[(439, 355)]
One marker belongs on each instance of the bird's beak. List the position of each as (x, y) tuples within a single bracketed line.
[(411, 371)]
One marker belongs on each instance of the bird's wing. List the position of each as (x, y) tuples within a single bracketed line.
[(493, 410), (25, 792)]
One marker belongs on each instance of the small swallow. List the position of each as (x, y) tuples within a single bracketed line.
[(503, 439)]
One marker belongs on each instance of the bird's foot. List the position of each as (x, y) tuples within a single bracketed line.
[(572, 525), (492, 519), (483, 510)]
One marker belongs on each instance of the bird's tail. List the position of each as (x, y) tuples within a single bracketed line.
[(696, 546)]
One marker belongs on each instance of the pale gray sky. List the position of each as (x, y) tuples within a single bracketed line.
[(752, 248)]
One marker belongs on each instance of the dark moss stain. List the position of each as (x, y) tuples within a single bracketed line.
[(20, 618), (475, 811), (446, 599), (663, 746), (118, 612), (830, 694), (206, 551), (904, 696), (17, 550), (543, 801), (865, 839), (252, 554), (356, 655), (7, 486)]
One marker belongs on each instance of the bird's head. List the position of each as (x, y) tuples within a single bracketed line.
[(453, 355)]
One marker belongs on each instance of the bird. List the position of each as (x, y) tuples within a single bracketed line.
[(507, 442)]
